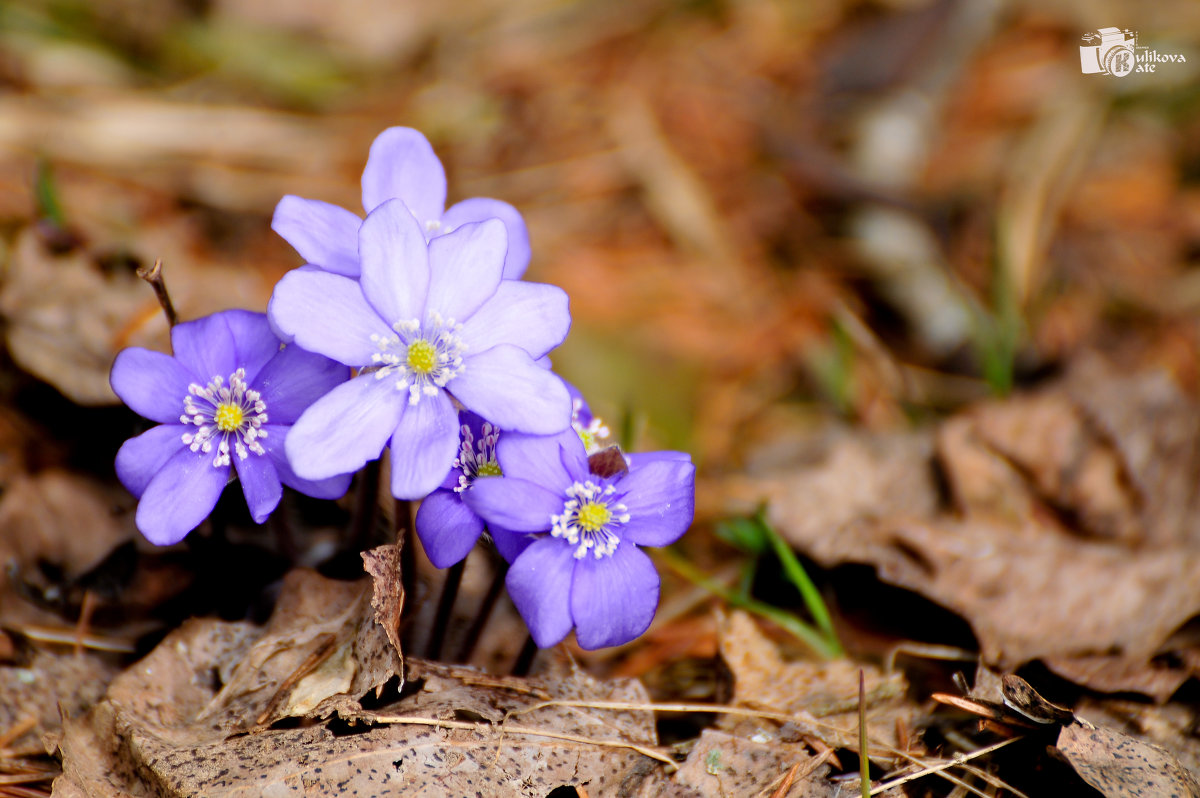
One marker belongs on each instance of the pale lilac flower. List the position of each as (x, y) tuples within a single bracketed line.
[(431, 327), (225, 401), (583, 569), (401, 166)]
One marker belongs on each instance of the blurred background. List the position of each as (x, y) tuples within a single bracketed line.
[(767, 213)]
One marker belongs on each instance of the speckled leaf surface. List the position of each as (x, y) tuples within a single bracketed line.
[(194, 718), (1121, 766)]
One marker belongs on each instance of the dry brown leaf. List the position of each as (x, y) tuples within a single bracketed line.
[(47, 688), (67, 318), (1078, 505), (1171, 726), (393, 757), (825, 690), (175, 723), (1027, 591), (382, 564), (857, 477), (1111, 674), (723, 764), (57, 517), (1121, 766)]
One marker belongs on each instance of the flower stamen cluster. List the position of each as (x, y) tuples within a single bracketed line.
[(424, 358), (225, 411), (594, 433), (476, 459), (589, 518)]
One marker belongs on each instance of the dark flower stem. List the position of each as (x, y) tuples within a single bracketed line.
[(471, 639), (154, 276), (525, 659), (441, 621), (366, 507), (408, 551), (285, 540)]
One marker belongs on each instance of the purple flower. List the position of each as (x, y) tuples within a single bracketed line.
[(448, 529), (584, 570), (224, 401), (402, 166), (428, 325)]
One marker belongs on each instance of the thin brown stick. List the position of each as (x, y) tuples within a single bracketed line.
[(17, 729), (505, 728), (49, 634), (85, 619), (957, 761), (154, 276)]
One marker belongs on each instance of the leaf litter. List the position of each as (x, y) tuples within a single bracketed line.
[(1057, 523)]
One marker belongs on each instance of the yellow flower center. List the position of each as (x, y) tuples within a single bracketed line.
[(229, 417), (489, 469), (593, 516), (421, 357)]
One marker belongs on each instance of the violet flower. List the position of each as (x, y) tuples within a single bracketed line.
[(584, 569), (225, 401), (431, 327), (401, 165), (447, 527)]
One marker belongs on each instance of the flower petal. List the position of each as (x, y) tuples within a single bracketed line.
[(154, 385), (395, 263), (205, 347), (505, 386), (294, 379), (447, 528), (541, 459), (260, 485), (328, 314), (402, 164), (613, 599), (661, 498), (513, 504), (253, 341), (423, 446), (533, 316), (324, 234), (510, 544), (329, 488), (344, 429), (639, 459), (180, 496), (479, 208), (140, 458), (465, 267), (539, 583)]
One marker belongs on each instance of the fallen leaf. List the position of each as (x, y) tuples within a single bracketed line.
[(725, 764), (1121, 766), (46, 689), (823, 693), (192, 718)]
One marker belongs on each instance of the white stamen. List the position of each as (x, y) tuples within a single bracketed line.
[(237, 400), (438, 340), (601, 542)]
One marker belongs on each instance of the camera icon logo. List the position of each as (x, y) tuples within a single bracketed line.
[(1108, 51)]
